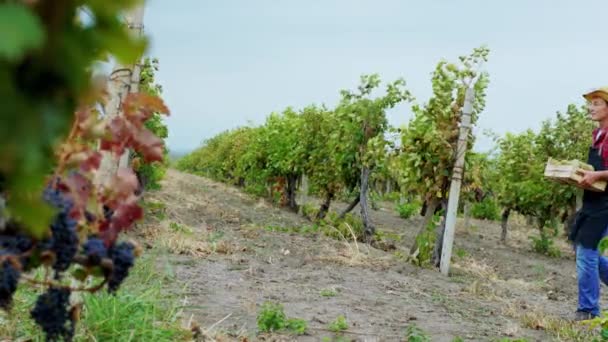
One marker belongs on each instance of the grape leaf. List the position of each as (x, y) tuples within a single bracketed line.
[(139, 107), (20, 30), (92, 162), (149, 145)]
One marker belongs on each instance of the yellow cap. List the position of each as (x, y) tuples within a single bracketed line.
[(599, 92)]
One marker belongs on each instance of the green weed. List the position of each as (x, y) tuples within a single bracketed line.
[(328, 293), (339, 325), (272, 318), (407, 210), (179, 228), (414, 334)]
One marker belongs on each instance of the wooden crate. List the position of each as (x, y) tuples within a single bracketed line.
[(570, 174)]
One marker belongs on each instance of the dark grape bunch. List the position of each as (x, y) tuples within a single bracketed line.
[(64, 239), (122, 259), (52, 313), (94, 250), (12, 246), (9, 278), (60, 250)]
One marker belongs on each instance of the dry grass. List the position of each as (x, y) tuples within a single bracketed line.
[(196, 243), (349, 255), (487, 284), (482, 289), (352, 253), (209, 334), (475, 268), (560, 329)]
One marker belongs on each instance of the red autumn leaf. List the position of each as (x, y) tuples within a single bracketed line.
[(104, 225), (123, 218), (126, 214), (139, 107), (92, 162), (79, 189), (149, 145), (118, 134), (122, 185)]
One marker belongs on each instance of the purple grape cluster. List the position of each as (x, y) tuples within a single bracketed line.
[(64, 238), (95, 250), (62, 248), (12, 246), (53, 315), (123, 259), (9, 278)]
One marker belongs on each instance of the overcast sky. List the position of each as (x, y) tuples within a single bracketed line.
[(226, 63)]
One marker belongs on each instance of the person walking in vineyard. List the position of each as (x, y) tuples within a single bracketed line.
[(591, 221)]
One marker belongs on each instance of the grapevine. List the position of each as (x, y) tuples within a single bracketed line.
[(83, 208), (58, 222)]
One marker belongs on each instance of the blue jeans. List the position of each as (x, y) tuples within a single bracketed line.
[(591, 267)]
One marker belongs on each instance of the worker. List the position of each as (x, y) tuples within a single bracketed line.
[(592, 219)]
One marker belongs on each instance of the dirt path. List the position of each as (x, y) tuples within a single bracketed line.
[(230, 265)]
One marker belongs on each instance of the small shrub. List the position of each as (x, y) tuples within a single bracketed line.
[(328, 293), (343, 228), (426, 243), (486, 210), (415, 334), (272, 318), (407, 210), (461, 253), (179, 228), (339, 325), (297, 326), (309, 211), (544, 245)]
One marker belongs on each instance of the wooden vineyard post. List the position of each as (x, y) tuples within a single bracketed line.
[(123, 80), (457, 175)]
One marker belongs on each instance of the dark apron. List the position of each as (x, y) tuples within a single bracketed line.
[(592, 219)]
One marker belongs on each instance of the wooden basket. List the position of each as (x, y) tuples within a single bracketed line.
[(571, 173)]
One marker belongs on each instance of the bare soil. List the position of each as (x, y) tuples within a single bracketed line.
[(495, 291)]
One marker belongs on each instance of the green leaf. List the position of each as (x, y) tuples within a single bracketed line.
[(80, 274), (20, 31), (603, 246), (126, 51), (32, 212), (604, 334)]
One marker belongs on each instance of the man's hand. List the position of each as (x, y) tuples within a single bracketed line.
[(590, 177)]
